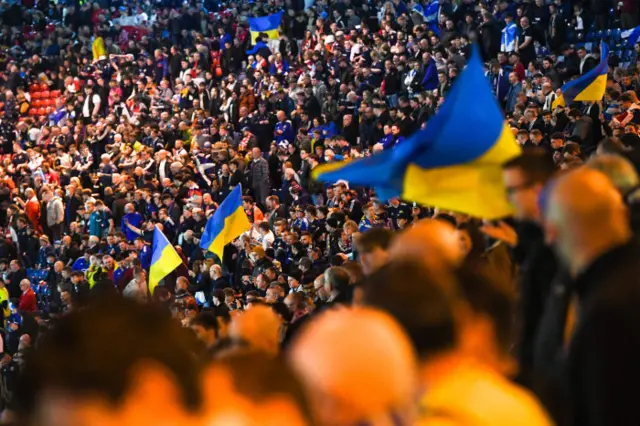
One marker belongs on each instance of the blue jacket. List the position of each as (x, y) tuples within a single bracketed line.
[(287, 131), (430, 79), (145, 257), (274, 70), (512, 97), (387, 141), (257, 47), (134, 219), (500, 84), (81, 264)]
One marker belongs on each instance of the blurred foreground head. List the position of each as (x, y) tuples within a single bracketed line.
[(584, 217), (115, 363), (434, 242), (252, 388), (357, 366), (259, 327)]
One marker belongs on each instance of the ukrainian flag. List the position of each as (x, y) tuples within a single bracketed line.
[(265, 24), (98, 48), (227, 223), (588, 87), (164, 259), (454, 163)]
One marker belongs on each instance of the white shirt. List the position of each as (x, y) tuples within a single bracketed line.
[(85, 108), (161, 169), (267, 240)]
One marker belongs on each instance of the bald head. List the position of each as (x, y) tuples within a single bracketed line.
[(433, 241), (584, 217), (621, 171), (259, 327), (356, 373)]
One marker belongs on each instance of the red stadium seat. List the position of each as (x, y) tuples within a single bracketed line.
[(34, 87), (45, 94), (44, 86)]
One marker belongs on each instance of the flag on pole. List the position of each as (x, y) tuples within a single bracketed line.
[(447, 165), (164, 259), (265, 24), (588, 87), (227, 223), (631, 35)]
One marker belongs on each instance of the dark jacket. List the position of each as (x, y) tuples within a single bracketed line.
[(603, 372), (538, 267)]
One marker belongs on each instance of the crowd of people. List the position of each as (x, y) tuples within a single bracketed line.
[(117, 119)]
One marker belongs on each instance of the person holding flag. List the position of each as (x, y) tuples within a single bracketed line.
[(509, 35), (589, 87)]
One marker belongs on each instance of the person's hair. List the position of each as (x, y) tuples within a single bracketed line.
[(84, 354), (258, 378), (247, 199), (626, 97), (208, 321), (535, 163), (338, 278), (298, 300), (280, 308), (618, 169), (229, 292), (375, 238), (264, 226), (420, 298), (487, 294), (536, 132), (355, 271), (476, 236), (612, 145)]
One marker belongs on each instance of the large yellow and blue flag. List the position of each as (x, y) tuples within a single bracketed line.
[(265, 24), (227, 223), (453, 163), (588, 87), (164, 259)]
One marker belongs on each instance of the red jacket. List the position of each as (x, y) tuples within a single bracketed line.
[(27, 301)]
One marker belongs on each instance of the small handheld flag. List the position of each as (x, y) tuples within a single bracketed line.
[(227, 223), (164, 259), (588, 87)]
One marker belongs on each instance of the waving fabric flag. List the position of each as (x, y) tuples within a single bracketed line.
[(446, 164), (265, 24), (164, 259), (227, 223), (632, 35), (509, 38), (588, 87)]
